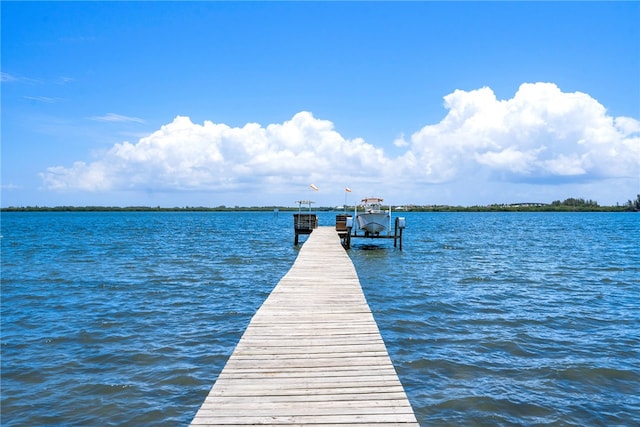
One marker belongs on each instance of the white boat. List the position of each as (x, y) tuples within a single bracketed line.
[(373, 220)]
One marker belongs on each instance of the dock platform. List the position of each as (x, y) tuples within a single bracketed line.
[(311, 355)]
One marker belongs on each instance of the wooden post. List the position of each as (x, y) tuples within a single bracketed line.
[(348, 239), (397, 233)]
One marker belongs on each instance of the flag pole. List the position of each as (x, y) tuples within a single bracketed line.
[(345, 202), (346, 190)]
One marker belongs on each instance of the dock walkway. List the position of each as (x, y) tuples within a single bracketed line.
[(312, 354)]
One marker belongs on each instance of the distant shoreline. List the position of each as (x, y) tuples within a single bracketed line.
[(429, 208)]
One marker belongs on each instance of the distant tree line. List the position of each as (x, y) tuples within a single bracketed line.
[(582, 203), (137, 209), (634, 205), (568, 205)]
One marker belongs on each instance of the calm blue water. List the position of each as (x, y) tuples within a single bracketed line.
[(490, 319)]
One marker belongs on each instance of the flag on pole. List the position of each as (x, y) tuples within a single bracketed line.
[(348, 190), (313, 187)]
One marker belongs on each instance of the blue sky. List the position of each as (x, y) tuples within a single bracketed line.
[(234, 103)]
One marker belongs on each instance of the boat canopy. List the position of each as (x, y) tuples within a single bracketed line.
[(372, 200)]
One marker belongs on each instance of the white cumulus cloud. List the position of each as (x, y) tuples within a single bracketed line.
[(541, 136), (187, 156), (540, 133)]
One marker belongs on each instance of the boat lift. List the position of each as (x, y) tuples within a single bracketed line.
[(347, 231)]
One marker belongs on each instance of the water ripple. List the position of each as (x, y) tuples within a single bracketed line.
[(513, 319), (490, 319)]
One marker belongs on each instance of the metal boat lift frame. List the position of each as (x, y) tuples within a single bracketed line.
[(347, 231)]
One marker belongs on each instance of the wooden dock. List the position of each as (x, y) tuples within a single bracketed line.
[(312, 354)]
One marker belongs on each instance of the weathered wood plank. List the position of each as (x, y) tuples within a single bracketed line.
[(332, 407), (311, 355), (312, 419)]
